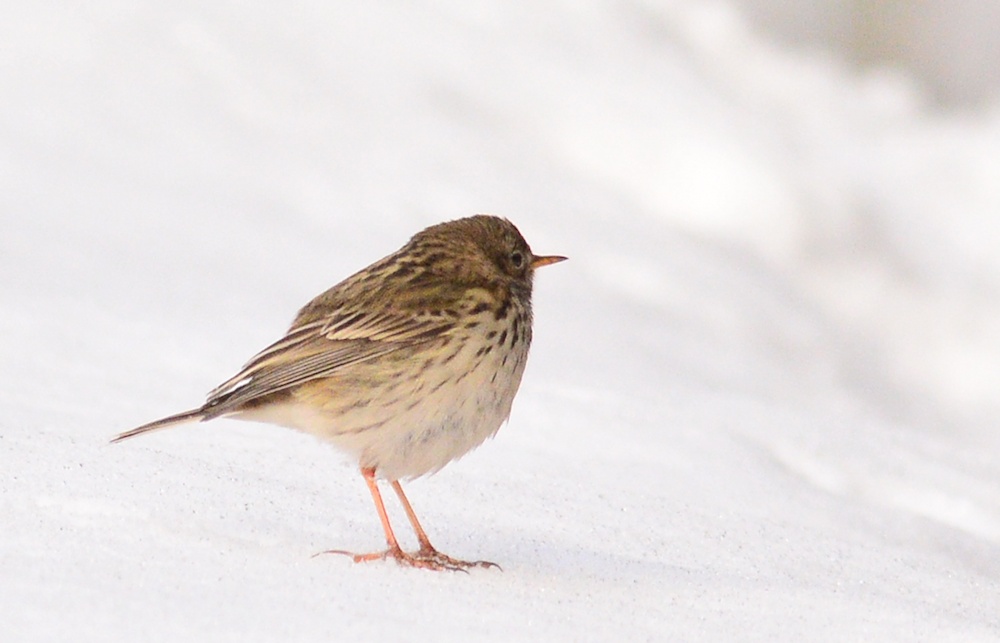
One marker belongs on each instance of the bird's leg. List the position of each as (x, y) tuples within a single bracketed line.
[(425, 543), (394, 550), (436, 562), (427, 551)]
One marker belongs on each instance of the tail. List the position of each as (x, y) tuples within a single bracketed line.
[(194, 415)]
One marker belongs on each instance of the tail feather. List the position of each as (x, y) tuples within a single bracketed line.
[(194, 415)]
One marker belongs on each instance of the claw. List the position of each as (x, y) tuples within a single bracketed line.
[(431, 554)]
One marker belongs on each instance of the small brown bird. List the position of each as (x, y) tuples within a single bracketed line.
[(406, 365)]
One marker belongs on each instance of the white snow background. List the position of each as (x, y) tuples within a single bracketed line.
[(762, 399)]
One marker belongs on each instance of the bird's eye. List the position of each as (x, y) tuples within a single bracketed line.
[(517, 258)]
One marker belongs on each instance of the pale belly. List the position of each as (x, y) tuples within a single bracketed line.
[(408, 427)]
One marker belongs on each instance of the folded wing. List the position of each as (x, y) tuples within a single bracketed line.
[(320, 349)]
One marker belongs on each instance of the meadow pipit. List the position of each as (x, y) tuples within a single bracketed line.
[(406, 365)]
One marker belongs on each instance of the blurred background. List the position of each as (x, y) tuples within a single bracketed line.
[(949, 48)]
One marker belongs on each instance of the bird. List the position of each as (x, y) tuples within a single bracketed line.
[(404, 366)]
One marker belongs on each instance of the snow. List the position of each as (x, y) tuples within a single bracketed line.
[(761, 403)]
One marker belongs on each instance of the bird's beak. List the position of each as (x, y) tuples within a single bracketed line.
[(538, 262)]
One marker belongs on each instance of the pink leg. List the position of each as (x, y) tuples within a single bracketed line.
[(427, 551), (426, 558)]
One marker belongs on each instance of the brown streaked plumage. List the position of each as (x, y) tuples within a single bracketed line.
[(406, 365)]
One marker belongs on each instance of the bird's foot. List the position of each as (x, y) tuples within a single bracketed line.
[(428, 553), (425, 558)]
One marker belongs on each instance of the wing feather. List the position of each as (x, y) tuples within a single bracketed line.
[(320, 349)]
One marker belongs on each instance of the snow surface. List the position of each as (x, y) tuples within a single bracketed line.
[(761, 404)]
